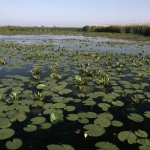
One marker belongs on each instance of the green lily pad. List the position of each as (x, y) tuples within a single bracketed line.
[(106, 115), (60, 147), (144, 147), (118, 103), (89, 102), (91, 115), (15, 144), (72, 117), (45, 125), (135, 117), (104, 106), (147, 114), (94, 130), (59, 105), (116, 123), (141, 133), (56, 117), (6, 133), (144, 142), (106, 146), (30, 128), (4, 122), (103, 122), (38, 120), (69, 108), (21, 117), (127, 135), (83, 120)]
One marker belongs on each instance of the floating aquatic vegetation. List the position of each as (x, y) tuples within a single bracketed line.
[(112, 92)]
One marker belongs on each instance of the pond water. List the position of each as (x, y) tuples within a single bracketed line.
[(74, 92)]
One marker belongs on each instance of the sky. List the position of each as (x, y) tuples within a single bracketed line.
[(73, 13)]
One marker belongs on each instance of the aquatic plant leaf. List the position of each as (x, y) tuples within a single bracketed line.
[(45, 125), (106, 115), (91, 115), (144, 142), (107, 99), (141, 133), (94, 130), (27, 102), (127, 135), (47, 105), (15, 144), (116, 123), (59, 105), (72, 117), (83, 120), (81, 95), (30, 128), (38, 120), (135, 117), (65, 91), (23, 108), (104, 106), (144, 147), (4, 122), (147, 114), (6, 133), (70, 108), (89, 102), (106, 146), (60, 147), (41, 86), (56, 117), (21, 117), (103, 122), (37, 103), (118, 103), (81, 115)]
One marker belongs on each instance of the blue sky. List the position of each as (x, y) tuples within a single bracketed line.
[(73, 13)]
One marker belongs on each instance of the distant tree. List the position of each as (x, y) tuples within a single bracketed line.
[(86, 28)]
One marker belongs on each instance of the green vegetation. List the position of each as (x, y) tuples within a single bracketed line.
[(131, 29), (72, 90)]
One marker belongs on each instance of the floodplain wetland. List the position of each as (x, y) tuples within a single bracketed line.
[(74, 92)]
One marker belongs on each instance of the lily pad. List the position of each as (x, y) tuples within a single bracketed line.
[(4, 122), (30, 128), (60, 147), (59, 105), (91, 115), (15, 144), (94, 130), (135, 117), (106, 146), (38, 120), (147, 114), (45, 125), (141, 133), (72, 117), (118, 103), (83, 120), (103, 122), (69, 108), (104, 106), (6, 133), (127, 135), (117, 123)]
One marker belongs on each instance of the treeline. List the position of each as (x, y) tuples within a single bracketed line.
[(36, 29), (132, 29)]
